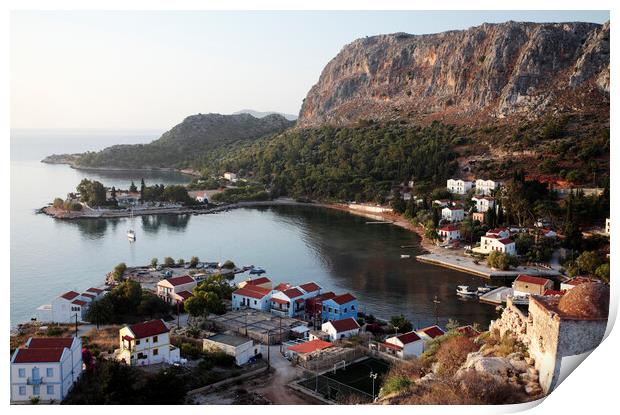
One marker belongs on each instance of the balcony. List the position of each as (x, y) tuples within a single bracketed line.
[(34, 381)]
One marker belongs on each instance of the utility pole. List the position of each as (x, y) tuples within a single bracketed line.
[(76, 325), (269, 350), (178, 315), (280, 334), (373, 376)]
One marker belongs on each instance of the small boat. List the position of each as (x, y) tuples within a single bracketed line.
[(131, 234), (464, 290), (404, 256), (257, 271), (483, 290)]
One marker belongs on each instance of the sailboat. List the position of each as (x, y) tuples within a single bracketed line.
[(131, 234)]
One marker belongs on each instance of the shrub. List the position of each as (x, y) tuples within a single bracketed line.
[(452, 354), (394, 384), (168, 261)]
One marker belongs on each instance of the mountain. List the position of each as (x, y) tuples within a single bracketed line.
[(261, 114), (188, 144), (505, 71)]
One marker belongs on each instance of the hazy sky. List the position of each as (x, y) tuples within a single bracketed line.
[(151, 69)]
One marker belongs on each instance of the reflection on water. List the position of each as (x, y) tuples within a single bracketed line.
[(153, 224)]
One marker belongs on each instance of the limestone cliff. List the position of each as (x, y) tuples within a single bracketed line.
[(509, 70)]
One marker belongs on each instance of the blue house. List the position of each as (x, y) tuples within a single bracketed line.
[(339, 307)]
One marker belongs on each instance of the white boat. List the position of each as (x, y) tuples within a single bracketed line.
[(464, 290), (404, 256), (131, 234)]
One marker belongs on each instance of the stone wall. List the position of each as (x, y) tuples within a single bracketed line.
[(512, 320)]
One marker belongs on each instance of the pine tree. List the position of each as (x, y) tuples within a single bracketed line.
[(132, 187)]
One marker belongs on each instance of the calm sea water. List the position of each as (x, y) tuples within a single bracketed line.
[(337, 250)]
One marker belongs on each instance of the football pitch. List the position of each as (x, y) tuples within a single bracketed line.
[(354, 379)]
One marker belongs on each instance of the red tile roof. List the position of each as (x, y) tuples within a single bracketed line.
[(253, 291), (505, 241), (42, 355), (579, 280), (79, 302), (531, 279), (407, 338), (343, 298), (292, 293), (92, 296), (282, 286), (70, 295), (185, 294), (49, 342), (279, 301), (184, 279), (149, 328), (310, 287), (95, 290), (311, 346), (300, 300), (345, 324), (258, 281), (433, 331), (449, 228)]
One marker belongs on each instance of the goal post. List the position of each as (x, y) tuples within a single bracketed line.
[(338, 365)]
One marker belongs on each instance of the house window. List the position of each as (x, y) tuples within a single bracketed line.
[(345, 310), (352, 307), (22, 390), (21, 373), (155, 338), (50, 389), (336, 310), (155, 352), (254, 302), (137, 342), (36, 390), (49, 372)]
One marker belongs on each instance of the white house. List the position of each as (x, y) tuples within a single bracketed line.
[(526, 285), (63, 309), (340, 329), (489, 244), (176, 289), (241, 348), (45, 368), (252, 296), (453, 214), (404, 345), (575, 281), (232, 177), (449, 233), (483, 203), (442, 202), (486, 187), (459, 186), (498, 233), (289, 302), (146, 343), (200, 196), (429, 333)]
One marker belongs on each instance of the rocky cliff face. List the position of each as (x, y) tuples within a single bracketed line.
[(492, 71)]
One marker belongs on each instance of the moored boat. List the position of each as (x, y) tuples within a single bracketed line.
[(464, 290)]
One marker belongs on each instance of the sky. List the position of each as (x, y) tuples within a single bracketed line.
[(149, 70)]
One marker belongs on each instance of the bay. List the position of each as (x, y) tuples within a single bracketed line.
[(295, 244)]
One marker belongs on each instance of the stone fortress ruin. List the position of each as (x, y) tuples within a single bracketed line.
[(556, 327)]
